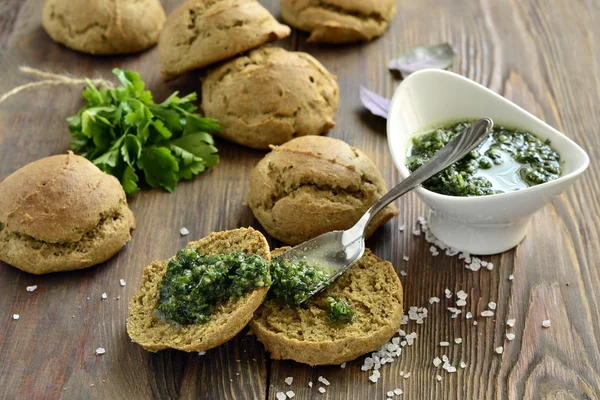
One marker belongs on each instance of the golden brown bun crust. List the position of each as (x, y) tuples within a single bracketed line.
[(312, 185), (339, 21), (372, 289), (154, 334), (270, 96), (104, 26), (62, 213), (202, 32)]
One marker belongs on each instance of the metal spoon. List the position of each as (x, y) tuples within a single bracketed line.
[(338, 250)]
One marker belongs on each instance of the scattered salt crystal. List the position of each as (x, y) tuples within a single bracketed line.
[(510, 336), (403, 273), (401, 373), (511, 322), (511, 277), (201, 353), (461, 303), (104, 296), (492, 305), (289, 380), (444, 344), (183, 232), (468, 315), (439, 378), (437, 362), (484, 263), (416, 232), (322, 389), (290, 394), (461, 294), (401, 332), (451, 369), (405, 258), (31, 288), (374, 377), (463, 364), (434, 300), (458, 340), (490, 266), (402, 227), (474, 322), (100, 351), (404, 320), (398, 391), (390, 393), (323, 381), (546, 323), (122, 282), (280, 396), (343, 365), (487, 313), (407, 375), (16, 316), (310, 384), (448, 293), (499, 349), (445, 358)]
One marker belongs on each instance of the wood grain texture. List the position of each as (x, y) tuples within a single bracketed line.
[(542, 55)]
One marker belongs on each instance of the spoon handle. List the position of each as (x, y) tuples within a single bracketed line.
[(456, 149)]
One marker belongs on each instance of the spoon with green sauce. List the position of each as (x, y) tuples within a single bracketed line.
[(338, 250)]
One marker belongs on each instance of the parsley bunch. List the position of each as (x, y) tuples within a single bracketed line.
[(124, 133)]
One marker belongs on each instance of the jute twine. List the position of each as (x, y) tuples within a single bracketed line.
[(51, 79)]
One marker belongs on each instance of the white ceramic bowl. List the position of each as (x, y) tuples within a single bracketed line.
[(485, 224)]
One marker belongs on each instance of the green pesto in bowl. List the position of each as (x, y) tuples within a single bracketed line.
[(508, 160)]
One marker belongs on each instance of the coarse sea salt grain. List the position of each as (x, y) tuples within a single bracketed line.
[(290, 394), (310, 384), (16, 316), (184, 231), (461, 303), (390, 393), (461, 294), (323, 381), (463, 364), (201, 353), (451, 369), (289, 380), (434, 300), (403, 273), (402, 227), (31, 288), (280, 396), (510, 336), (448, 293), (458, 340), (439, 378), (468, 315), (100, 351), (487, 313), (374, 377), (322, 389), (437, 362), (511, 322), (499, 349), (511, 277), (398, 391), (546, 323), (492, 305), (343, 365), (444, 344), (104, 296), (405, 258), (407, 375), (122, 282)]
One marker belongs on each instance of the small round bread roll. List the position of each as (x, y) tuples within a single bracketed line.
[(62, 213), (312, 185), (104, 26), (202, 32), (339, 21), (271, 96)]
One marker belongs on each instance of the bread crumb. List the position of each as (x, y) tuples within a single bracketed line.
[(122, 282), (511, 322), (31, 288), (104, 296), (290, 394), (184, 232), (499, 349), (289, 380), (100, 351), (546, 323), (16, 316), (510, 336), (322, 389), (280, 396)]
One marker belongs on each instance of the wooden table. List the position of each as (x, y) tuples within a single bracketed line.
[(543, 55)]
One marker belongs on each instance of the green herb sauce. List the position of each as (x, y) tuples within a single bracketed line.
[(292, 281), (339, 310), (194, 284), (508, 160)]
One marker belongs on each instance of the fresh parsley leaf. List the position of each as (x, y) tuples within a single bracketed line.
[(126, 134)]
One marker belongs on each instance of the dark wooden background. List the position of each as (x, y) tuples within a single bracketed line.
[(542, 54)]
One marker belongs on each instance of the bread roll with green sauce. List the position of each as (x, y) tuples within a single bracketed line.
[(312, 185), (146, 327), (62, 213), (307, 333)]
